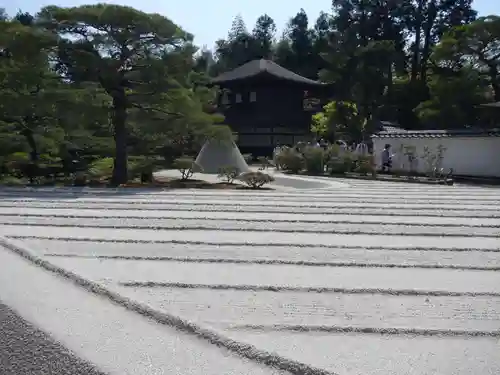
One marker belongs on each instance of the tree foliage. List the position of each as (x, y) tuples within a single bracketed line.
[(340, 120), (393, 59), (104, 78), (114, 82)]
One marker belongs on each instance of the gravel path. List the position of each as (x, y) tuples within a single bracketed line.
[(363, 277), (116, 340), (247, 216), (322, 310), (256, 226), (25, 349), (352, 354), (314, 256), (284, 275)]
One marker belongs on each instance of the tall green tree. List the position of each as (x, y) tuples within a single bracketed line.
[(428, 20), (475, 45), (301, 44), (340, 120), (142, 61), (28, 88), (453, 100), (263, 34), (238, 49)]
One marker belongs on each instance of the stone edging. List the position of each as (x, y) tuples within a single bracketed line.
[(241, 349)]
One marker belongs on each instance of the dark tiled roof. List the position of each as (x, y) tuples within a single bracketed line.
[(392, 129), (401, 133), (258, 67), (388, 126), (491, 105)]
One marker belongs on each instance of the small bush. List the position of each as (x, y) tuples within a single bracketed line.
[(365, 165), (187, 167), (336, 166), (314, 160), (228, 173), (341, 164), (290, 160), (248, 158), (11, 181), (332, 152), (20, 165), (264, 162), (142, 168), (255, 179), (101, 168), (80, 179)]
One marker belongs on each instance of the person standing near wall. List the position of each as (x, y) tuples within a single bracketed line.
[(386, 158)]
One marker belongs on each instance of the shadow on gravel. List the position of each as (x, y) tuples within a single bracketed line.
[(26, 350), (299, 183), (66, 193)]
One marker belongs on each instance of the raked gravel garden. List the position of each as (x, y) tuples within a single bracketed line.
[(347, 277)]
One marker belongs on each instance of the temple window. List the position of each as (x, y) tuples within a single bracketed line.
[(224, 98), (253, 96), (238, 98)]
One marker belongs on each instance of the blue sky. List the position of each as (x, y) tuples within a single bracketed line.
[(210, 20)]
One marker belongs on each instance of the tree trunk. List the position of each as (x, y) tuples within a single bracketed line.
[(494, 80), (120, 170), (431, 18), (31, 168), (28, 134), (418, 38)]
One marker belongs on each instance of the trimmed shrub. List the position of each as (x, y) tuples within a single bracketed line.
[(291, 160), (228, 174), (255, 180), (341, 164), (11, 181), (248, 158), (101, 168), (365, 165), (80, 179), (142, 168), (332, 152), (187, 166), (314, 160), (264, 162)]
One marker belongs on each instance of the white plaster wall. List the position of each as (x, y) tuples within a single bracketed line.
[(471, 156)]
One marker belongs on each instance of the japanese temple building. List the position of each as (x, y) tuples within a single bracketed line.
[(268, 105)]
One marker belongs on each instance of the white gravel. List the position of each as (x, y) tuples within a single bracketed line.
[(231, 307), (185, 224), (383, 355), (253, 216), (118, 341), (257, 208), (261, 238), (319, 203), (286, 276), (263, 253), (226, 237)]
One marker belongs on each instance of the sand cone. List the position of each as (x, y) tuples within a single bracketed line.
[(216, 154)]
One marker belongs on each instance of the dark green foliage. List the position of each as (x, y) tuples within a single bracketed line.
[(382, 57), (365, 165), (314, 160), (290, 160), (340, 164), (90, 88), (255, 180), (99, 82)]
